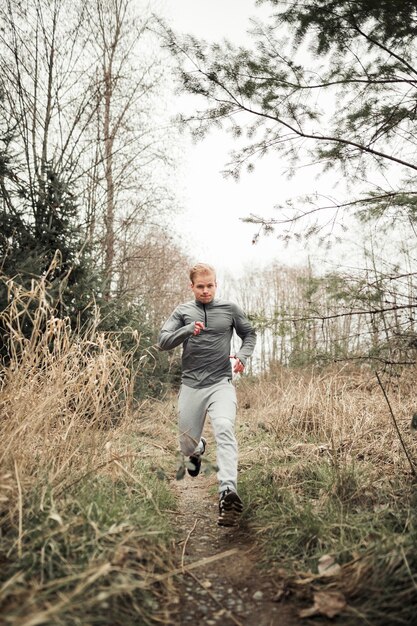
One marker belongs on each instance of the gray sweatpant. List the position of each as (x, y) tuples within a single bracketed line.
[(219, 402)]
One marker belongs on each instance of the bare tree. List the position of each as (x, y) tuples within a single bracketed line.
[(131, 144), (329, 83), (155, 276), (39, 55), (84, 95)]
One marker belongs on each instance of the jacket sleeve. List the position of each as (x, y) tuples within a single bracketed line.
[(174, 331), (246, 332)]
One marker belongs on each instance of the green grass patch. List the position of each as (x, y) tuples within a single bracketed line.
[(91, 556), (304, 509)]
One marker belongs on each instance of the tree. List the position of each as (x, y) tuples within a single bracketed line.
[(82, 86), (80, 190), (50, 248), (41, 114), (41, 77), (339, 91), (155, 276), (331, 84), (130, 146)]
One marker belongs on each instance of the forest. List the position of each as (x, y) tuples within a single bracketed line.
[(91, 481)]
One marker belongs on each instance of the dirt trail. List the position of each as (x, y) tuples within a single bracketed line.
[(221, 583)]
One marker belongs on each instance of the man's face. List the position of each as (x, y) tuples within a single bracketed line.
[(204, 287)]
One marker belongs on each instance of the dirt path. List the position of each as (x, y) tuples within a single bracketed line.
[(221, 582)]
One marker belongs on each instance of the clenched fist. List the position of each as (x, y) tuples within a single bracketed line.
[(198, 327)]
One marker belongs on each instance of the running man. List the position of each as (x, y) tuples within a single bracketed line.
[(204, 326)]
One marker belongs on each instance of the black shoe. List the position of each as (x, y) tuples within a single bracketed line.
[(195, 460), (230, 508)]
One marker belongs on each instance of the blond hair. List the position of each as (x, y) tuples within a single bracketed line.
[(201, 268)]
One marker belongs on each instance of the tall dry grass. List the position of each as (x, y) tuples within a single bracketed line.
[(59, 391), (339, 411), (325, 475), (83, 536)]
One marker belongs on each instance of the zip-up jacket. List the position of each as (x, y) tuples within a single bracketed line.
[(206, 356)]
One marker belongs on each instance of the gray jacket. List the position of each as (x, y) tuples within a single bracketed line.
[(205, 357)]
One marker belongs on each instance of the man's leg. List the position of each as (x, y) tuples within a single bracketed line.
[(222, 412), (192, 406)]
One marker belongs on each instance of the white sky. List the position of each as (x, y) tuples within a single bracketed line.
[(210, 224)]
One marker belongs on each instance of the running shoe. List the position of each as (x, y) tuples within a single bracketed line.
[(230, 508), (195, 460)]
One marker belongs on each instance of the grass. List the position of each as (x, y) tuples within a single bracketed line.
[(323, 473), (86, 536), (88, 557), (85, 532)]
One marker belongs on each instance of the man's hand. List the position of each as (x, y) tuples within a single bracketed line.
[(238, 367), (198, 327)]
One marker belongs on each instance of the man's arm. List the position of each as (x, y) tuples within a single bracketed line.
[(247, 334), (174, 331)]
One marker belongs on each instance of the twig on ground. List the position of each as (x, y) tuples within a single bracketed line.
[(206, 561), (185, 545)]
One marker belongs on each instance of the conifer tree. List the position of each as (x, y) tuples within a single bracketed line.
[(324, 82)]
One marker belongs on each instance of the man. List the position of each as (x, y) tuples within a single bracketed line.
[(204, 326)]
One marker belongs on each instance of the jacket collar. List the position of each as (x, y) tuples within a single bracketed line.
[(208, 305)]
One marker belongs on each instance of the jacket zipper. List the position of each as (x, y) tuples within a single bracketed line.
[(205, 316)]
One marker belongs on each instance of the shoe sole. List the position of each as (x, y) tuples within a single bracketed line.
[(231, 509), (196, 461)]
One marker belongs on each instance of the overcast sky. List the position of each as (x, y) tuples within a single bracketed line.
[(213, 204)]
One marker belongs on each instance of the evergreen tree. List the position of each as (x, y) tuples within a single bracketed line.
[(331, 83), (324, 82), (41, 239)]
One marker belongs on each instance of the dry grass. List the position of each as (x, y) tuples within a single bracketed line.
[(59, 393), (84, 528), (339, 412), (84, 538), (324, 472)]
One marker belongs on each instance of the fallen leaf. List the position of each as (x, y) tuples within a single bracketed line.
[(327, 566), (328, 603)]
